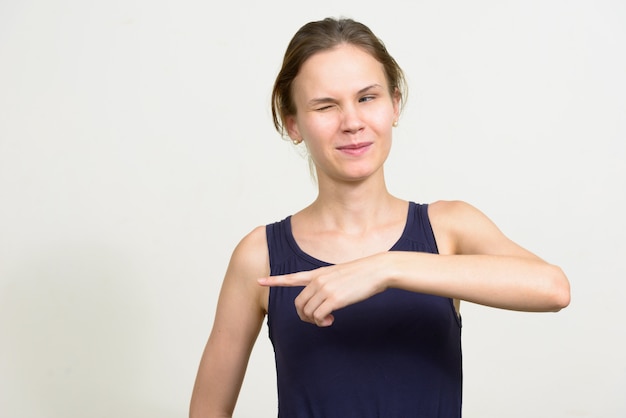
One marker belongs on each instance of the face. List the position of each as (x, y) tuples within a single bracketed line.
[(344, 113)]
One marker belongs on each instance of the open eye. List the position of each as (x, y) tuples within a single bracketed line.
[(366, 98)]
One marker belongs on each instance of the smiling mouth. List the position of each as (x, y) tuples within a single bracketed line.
[(358, 146)]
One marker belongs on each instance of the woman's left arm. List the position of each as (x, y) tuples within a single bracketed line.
[(476, 263)]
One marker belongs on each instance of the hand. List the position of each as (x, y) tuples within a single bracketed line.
[(327, 289)]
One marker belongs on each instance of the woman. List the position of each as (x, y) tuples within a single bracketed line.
[(361, 288)]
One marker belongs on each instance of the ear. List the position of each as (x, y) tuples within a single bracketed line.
[(292, 128), (397, 101)]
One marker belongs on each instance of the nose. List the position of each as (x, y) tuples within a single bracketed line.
[(352, 121)]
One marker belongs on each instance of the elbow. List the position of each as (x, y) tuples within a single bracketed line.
[(560, 296), (200, 407), (193, 409)]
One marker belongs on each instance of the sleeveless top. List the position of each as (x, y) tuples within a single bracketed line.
[(394, 355)]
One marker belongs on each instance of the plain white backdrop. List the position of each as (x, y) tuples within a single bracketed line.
[(136, 149)]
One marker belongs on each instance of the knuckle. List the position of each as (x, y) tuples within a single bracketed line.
[(320, 315)]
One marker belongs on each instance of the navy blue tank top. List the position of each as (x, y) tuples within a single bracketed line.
[(394, 355)]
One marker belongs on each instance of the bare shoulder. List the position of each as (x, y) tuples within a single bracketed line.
[(251, 257), (449, 210), (454, 214), (461, 228), (249, 262)]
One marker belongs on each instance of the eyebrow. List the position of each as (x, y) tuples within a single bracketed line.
[(320, 100)]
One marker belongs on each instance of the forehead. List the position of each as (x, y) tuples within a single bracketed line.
[(343, 69)]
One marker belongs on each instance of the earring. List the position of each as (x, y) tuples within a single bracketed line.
[(296, 141), (395, 124)]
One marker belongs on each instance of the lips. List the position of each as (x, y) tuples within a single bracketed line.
[(357, 146), (354, 150)]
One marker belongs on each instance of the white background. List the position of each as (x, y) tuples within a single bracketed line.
[(136, 149)]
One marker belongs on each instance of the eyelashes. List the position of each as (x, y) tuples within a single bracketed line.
[(364, 99)]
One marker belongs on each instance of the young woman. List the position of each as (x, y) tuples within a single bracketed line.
[(361, 289)]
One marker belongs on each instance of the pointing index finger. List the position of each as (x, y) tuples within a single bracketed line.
[(296, 279)]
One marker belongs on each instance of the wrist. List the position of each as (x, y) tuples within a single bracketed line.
[(390, 271)]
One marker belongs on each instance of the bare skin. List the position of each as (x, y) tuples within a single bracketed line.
[(477, 263), (345, 116)]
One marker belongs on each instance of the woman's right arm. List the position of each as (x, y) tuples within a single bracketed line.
[(238, 319)]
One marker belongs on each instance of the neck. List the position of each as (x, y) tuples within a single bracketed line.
[(353, 206)]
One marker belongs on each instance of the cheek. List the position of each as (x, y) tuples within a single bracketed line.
[(321, 125), (382, 122), (381, 115), (385, 122)]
